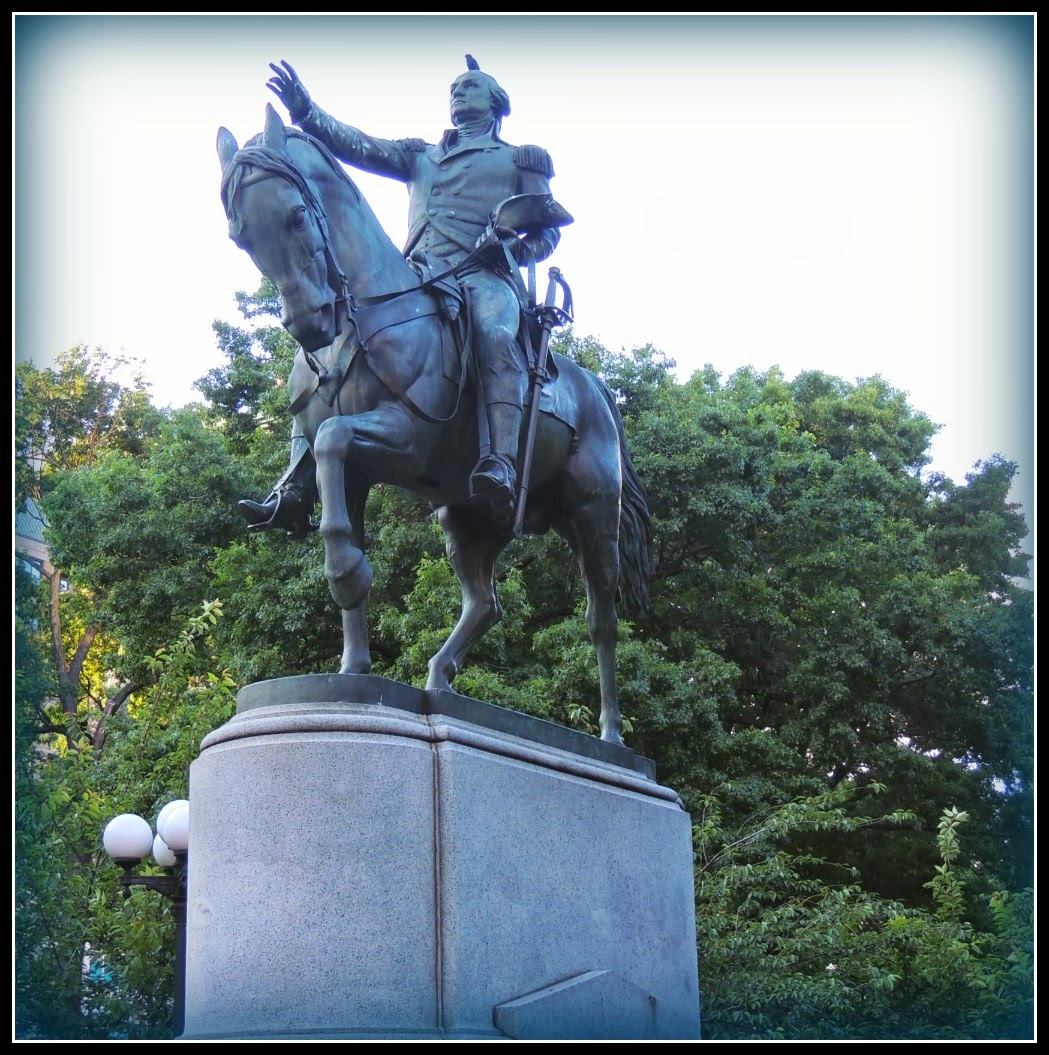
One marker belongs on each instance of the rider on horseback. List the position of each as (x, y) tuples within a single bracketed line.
[(454, 188)]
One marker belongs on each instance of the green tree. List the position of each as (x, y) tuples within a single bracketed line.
[(798, 541), (829, 621), (66, 420), (88, 963), (793, 947), (104, 723), (246, 395), (138, 534)]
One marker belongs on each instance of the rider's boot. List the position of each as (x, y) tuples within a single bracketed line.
[(287, 507), (494, 479)]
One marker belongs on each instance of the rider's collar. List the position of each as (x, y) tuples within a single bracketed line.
[(451, 140)]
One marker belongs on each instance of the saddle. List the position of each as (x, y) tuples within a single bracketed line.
[(451, 304), (321, 374)]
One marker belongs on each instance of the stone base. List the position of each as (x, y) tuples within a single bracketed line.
[(369, 860)]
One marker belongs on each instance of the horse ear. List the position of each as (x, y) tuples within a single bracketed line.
[(274, 135), (226, 145)]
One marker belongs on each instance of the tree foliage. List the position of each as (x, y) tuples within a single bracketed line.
[(831, 623), (88, 963), (66, 418), (66, 421), (789, 954), (138, 534)]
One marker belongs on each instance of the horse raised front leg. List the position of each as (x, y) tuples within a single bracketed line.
[(472, 551), (348, 573)]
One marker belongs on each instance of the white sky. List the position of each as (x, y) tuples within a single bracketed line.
[(851, 194)]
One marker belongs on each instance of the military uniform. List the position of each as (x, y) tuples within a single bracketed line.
[(453, 188)]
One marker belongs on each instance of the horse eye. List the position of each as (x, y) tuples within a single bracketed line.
[(298, 217)]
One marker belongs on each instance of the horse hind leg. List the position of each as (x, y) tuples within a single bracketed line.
[(356, 654), (592, 533), (472, 550)]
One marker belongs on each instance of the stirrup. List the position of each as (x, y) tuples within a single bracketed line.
[(284, 509), (258, 514), (494, 474)]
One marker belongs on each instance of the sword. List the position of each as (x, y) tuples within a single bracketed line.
[(550, 315)]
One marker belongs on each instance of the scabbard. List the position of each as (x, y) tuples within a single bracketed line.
[(540, 376)]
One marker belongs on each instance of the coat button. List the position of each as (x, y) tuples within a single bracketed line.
[(451, 212), (433, 212)]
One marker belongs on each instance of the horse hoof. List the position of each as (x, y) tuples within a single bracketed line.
[(350, 586), (440, 677)]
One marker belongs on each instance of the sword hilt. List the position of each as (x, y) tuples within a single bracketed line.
[(551, 313)]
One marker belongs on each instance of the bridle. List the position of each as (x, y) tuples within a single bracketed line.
[(256, 162)]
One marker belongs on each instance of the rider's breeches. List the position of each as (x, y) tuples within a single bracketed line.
[(494, 318)]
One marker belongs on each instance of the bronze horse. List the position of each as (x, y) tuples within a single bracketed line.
[(385, 401)]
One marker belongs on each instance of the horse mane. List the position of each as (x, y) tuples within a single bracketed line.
[(256, 154)]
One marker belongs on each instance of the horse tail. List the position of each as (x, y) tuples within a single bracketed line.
[(635, 525)]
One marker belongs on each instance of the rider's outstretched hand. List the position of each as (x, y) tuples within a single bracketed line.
[(290, 90)]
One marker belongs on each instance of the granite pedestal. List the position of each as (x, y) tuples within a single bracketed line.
[(372, 860)]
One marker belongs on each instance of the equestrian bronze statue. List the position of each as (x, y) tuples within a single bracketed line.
[(414, 367)]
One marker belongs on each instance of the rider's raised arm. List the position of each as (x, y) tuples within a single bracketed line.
[(384, 157)]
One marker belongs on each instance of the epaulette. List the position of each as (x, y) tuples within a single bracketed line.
[(416, 146), (534, 159)]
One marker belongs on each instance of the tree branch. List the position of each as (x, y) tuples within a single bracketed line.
[(82, 650), (113, 704)]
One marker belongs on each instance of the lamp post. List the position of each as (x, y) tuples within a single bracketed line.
[(127, 839)]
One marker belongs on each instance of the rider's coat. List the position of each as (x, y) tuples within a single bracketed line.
[(453, 186)]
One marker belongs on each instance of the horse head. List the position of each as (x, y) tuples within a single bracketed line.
[(277, 190)]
